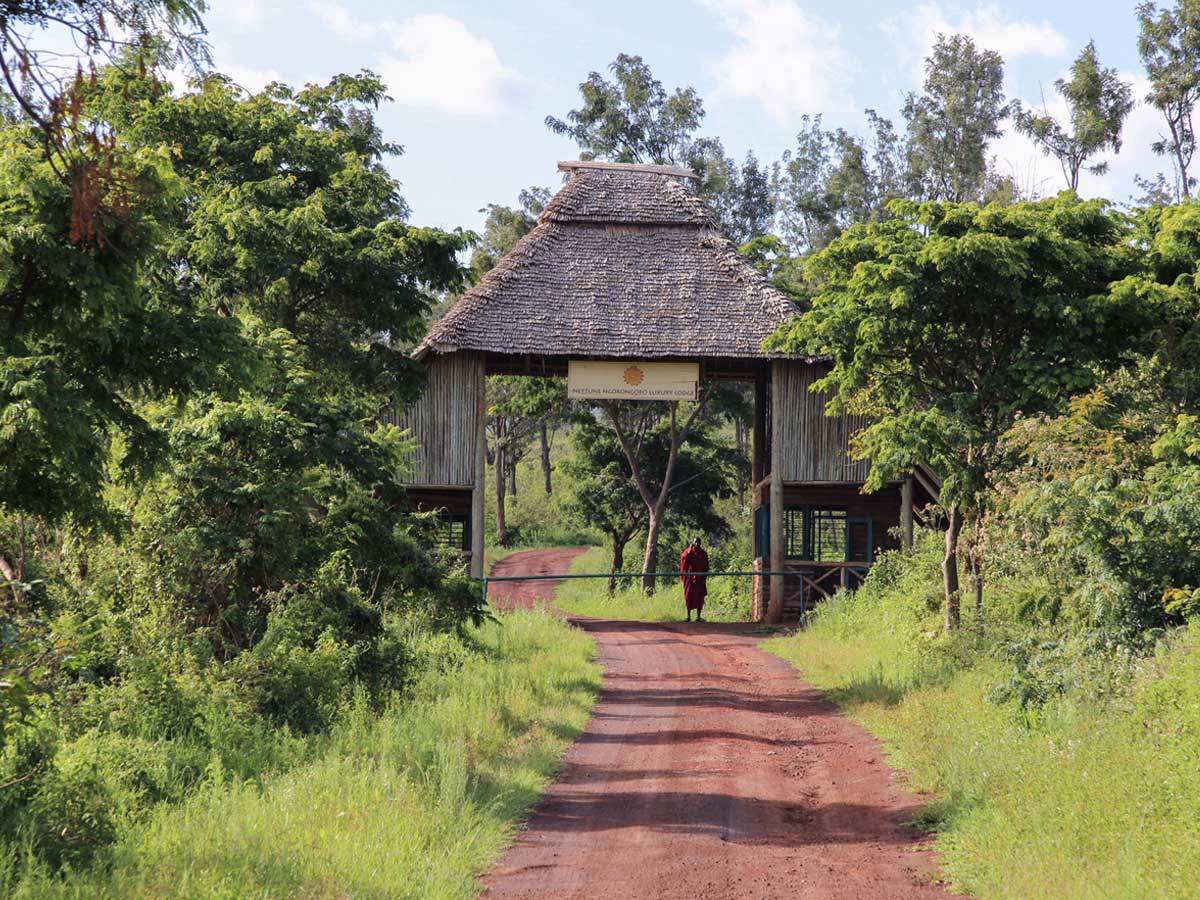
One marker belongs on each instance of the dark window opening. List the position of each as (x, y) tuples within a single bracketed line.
[(827, 535), (454, 531)]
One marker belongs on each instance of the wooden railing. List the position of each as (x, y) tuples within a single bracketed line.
[(821, 579)]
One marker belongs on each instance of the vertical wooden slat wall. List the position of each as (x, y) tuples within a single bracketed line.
[(815, 446), (445, 422)]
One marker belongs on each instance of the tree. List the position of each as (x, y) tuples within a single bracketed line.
[(1169, 44), (833, 179), (741, 199), (948, 322), (602, 494), (286, 227), (653, 441), (87, 330), (49, 88), (632, 118), (503, 227), (1098, 102), (951, 123), (293, 217), (519, 407)]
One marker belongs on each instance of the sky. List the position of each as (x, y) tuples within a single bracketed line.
[(472, 82)]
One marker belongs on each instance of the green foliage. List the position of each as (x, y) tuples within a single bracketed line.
[(227, 355), (952, 121), (1163, 287), (1098, 103), (949, 321), (293, 218), (86, 330), (505, 226), (436, 784), (1169, 44), (1107, 503), (631, 118), (834, 179)]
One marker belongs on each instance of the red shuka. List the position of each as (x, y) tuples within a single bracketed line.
[(694, 559)]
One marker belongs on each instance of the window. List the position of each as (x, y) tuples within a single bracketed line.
[(454, 531), (817, 533), (794, 532), (827, 541)]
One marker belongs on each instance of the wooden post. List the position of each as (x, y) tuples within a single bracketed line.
[(906, 512), (758, 437), (775, 603), (477, 516)]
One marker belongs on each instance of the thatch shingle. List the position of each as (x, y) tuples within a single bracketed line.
[(622, 263)]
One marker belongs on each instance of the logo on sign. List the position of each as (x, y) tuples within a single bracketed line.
[(634, 376)]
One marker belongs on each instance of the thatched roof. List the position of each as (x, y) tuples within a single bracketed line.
[(625, 262)]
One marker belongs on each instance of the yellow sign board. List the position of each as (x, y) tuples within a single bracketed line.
[(587, 380)]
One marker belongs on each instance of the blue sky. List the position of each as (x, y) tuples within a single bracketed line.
[(474, 81)]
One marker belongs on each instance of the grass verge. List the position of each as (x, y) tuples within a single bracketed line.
[(727, 601), (412, 803), (1083, 797)]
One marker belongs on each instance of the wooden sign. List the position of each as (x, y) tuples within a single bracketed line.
[(587, 380)]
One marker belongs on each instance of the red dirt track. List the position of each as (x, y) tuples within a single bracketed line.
[(709, 770)]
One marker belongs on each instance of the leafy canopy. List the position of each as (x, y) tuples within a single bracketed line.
[(1098, 101), (948, 322), (631, 119), (952, 121)]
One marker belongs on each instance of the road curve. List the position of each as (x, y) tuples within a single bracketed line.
[(530, 594), (709, 770)]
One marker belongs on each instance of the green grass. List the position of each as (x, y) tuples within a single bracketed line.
[(1081, 798), (728, 599), (413, 803)]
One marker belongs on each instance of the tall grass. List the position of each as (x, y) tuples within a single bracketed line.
[(1087, 796), (728, 598), (413, 803)]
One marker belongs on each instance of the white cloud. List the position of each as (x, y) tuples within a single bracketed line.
[(339, 20), (441, 64), (432, 60), (246, 13), (782, 57), (915, 31)]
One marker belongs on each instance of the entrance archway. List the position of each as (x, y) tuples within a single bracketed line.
[(626, 264)]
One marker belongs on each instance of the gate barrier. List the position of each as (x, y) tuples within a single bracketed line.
[(488, 579)]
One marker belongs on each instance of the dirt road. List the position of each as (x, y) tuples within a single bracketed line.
[(709, 770), (529, 594)]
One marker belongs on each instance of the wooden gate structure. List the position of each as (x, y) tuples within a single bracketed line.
[(626, 263)]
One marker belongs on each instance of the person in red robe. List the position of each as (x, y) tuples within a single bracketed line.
[(694, 559)]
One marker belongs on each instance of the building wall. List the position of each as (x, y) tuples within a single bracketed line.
[(814, 446), (445, 422)]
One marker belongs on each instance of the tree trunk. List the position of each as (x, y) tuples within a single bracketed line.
[(546, 458), (977, 563), (501, 527), (512, 475), (950, 570), (618, 561), (977, 576), (650, 563)]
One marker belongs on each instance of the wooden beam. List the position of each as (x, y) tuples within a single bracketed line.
[(477, 517), (570, 165), (758, 436), (775, 603), (906, 513)]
